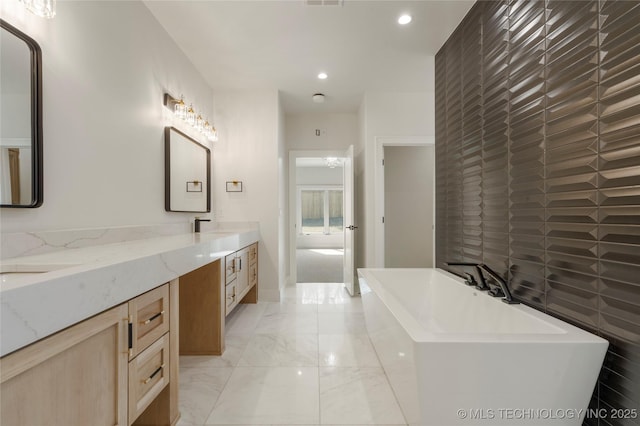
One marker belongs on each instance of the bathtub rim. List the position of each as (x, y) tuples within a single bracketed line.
[(569, 332)]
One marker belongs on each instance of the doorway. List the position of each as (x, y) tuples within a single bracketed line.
[(319, 220), (405, 203), (319, 205)]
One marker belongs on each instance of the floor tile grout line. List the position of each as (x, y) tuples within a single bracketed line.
[(234, 367)]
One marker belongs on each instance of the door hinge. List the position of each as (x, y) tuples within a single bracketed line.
[(383, 161), (382, 219)]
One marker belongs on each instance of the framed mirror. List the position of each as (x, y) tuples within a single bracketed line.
[(187, 173), (21, 180)]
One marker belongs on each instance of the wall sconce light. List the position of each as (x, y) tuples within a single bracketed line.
[(180, 108), (189, 115), (210, 132), (42, 8)]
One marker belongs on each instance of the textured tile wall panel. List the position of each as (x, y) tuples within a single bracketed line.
[(441, 166), (472, 136), (620, 167), (495, 158), (454, 250), (553, 193), (565, 273), (578, 306)]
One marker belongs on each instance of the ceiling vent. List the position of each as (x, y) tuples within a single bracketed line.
[(324, 2)]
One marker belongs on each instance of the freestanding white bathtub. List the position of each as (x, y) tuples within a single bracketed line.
[(456, 356)]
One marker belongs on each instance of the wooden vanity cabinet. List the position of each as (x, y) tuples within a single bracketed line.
[(202, 310), (242, 284), (75, 377), (83, 375), (252, 293), (208, 294)]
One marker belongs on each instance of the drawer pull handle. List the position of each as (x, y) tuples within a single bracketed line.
[(147, 380), (153, 317)]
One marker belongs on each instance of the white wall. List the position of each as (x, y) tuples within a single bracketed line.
[(337, 131), (319, 176), (385, 114), (105, 68), (249, 150)]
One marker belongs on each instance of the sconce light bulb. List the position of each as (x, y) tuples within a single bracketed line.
[(180, 110), (199, 123), (191, 115), (213, 135)]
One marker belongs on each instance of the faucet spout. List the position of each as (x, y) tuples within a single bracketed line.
[(196, 224), (482, 284), (508, 297)]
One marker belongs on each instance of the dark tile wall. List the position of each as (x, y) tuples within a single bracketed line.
[(538, 166)]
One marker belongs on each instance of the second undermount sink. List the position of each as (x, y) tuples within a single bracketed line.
[(14, 270)]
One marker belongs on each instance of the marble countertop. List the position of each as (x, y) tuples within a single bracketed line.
[(43, 294)]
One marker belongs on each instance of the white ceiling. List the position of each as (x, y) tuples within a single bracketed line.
[(283, 45)]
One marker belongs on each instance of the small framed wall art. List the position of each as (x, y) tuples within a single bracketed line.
[(234, 186)]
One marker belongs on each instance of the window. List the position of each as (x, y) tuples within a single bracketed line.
[(320, 210)]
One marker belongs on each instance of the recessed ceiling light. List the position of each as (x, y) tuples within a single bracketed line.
[(322, 76), (404, 19)]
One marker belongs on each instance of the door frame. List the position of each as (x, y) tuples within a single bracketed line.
[(293, 200), (381, 142)]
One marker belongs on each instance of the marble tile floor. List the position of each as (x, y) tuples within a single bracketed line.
[(304, 361)]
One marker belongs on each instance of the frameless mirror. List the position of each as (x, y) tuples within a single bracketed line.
[(187, 173), (20, 119)]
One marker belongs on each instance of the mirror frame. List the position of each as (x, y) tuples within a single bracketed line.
[(37, 182), (167, 170)]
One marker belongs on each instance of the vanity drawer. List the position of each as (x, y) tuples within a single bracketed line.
[(149, 373), (253, 253), (231, 297), (230, 267), (149, 319)]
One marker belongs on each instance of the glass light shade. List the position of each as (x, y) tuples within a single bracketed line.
[(42, 8), (180, 109), (199, 123), (191, 116), (213, 135)]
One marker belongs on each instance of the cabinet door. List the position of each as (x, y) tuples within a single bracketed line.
[(253, 253), (149, 318), (242, 272), (75, 377), (230, 267), (231, 297)]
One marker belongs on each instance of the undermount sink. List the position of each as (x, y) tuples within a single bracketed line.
[(21, 270)]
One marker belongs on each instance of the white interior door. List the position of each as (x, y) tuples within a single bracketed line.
[(349, 217)]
